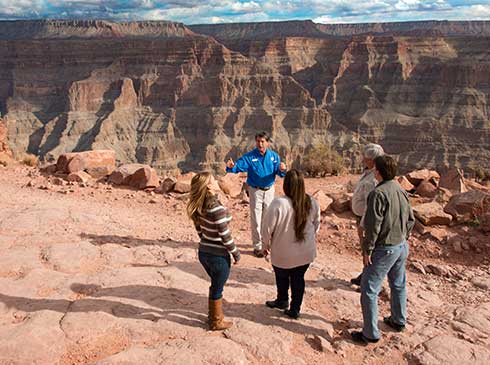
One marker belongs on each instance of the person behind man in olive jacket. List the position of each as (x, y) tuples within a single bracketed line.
[(388, 222)]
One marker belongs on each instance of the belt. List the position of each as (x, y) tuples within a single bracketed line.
[(263, 189)]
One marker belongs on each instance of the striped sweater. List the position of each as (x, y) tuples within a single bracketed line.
[(214, 233)]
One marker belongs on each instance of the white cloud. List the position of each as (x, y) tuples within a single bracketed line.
[(249, 7), (20, 7), (473, 12), (202, 11)]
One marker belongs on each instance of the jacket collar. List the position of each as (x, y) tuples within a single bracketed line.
[(257, 152)]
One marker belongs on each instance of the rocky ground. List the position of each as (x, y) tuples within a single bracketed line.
[(94, 274)]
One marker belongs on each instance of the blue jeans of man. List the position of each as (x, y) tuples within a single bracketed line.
[(386, 260), (218, 269)]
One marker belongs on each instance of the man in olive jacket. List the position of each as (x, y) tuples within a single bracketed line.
[(388, 222)]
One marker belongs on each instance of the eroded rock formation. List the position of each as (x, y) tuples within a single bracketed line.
[(159, 93), (4, 148)]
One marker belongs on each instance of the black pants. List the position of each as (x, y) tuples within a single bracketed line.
[(294, 277)]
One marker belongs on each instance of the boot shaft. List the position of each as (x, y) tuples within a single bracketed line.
[(216, 316)]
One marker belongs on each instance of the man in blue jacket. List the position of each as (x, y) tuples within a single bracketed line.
[(261, 165)]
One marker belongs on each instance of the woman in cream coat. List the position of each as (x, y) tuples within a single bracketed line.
[(289, 231)]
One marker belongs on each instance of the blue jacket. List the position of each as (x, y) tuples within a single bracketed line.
[(261, 170)]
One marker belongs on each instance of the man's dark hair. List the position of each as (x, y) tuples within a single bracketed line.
[(386, 167), (263, 134)]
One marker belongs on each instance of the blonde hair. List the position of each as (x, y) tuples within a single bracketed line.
[(199, 196)]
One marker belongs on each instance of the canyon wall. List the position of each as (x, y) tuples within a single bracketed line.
[(180, 97)]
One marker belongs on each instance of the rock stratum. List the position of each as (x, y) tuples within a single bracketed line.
[(179, 97)]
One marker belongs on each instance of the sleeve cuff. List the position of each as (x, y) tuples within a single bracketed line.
[(367, 252)]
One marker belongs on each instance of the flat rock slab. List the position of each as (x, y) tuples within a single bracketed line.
[(273, 345), (195, 351), (449, 350), (35, 338), (431, 214)]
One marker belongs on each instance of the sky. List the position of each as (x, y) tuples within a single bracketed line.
[(226, 11)]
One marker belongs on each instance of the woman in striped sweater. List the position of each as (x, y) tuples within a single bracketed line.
[(211, 220)]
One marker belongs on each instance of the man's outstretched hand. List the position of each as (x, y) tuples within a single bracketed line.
[(230, 163)]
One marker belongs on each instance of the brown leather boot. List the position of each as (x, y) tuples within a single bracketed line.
[(216, 317)]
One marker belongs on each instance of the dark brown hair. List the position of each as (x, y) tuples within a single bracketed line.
[(264, 135), (294, 188), (386, 167)]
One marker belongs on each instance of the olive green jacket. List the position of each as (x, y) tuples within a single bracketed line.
[(389, 217)]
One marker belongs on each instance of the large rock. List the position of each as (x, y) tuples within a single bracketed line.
[(143, 178), (483, 214), (453, 180), (473, 185), (449, 350), (431, 214), (443, 195), (183, 184), (466, 206), (341, 202), (404, 183), (426, 189), (416, 177), (79, 177), (97, 163), (441, 270), (485, 222), (323, 200), (121, 175), (166, 186), (231, 184)]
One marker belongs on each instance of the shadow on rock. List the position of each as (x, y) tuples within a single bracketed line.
[(176, 305), (130, 241)]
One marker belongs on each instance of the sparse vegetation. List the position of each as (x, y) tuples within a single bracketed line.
[(482, 174), (321, 160), (30, 160)]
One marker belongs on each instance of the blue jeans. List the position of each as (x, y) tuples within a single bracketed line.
[(218, 269), (386, 260)]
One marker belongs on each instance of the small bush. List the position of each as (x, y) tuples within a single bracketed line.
[(30, 160), (482, 174), (321, 161)]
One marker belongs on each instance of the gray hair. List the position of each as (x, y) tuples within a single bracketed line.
[(372, 150)]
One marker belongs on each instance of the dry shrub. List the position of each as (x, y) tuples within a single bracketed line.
[(482, 174), (30, 160), (321, 160)]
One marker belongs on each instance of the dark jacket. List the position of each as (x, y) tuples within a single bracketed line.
[(389, 217)]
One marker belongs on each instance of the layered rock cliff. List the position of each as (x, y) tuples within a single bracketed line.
[(4, 147), (159, 93), (89, 29)]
